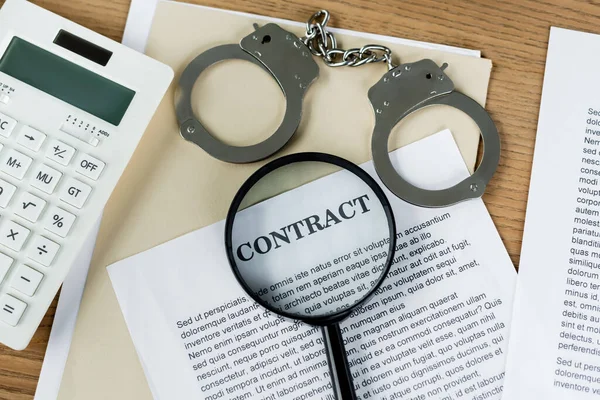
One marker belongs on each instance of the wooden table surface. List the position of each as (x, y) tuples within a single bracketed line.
[(512, 33)]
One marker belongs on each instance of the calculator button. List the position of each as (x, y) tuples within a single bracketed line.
[(43, 250), (89, 166), (26, 280), (4, 98), (60, 152), (14, 163), (30, 207), (5, 263), (13, 235), (7, 191), (31, 138), (59, 221), (45, 178), (75, 192), (11, 309), (7, 124)]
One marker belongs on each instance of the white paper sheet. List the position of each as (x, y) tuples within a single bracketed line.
[(136, 32), (555, 339), (64, 322), (141, 14), (438, 328)]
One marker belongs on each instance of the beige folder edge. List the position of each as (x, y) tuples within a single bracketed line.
[(172, 187)]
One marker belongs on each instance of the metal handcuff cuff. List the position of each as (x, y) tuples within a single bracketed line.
[(403, 90)]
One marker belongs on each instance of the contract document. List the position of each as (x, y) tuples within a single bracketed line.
[(555, 339), (436, 329)]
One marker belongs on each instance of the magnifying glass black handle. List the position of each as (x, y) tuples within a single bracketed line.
[(341, 377)]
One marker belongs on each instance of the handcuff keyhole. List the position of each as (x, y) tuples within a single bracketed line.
[(266, 39), (428, 76)]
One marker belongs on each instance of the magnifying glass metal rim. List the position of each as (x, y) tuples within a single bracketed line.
[(321, 320)]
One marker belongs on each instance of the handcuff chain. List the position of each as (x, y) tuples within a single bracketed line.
[(322, 43)]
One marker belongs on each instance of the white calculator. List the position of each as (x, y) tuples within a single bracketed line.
[(73, 107)]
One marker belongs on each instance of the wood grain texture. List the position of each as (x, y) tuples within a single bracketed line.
[(512, 33)]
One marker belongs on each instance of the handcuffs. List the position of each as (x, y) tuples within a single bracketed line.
[(403, 90), (278, 52)]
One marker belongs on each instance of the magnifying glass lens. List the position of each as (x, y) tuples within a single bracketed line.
[(310, 236), (310, 244)]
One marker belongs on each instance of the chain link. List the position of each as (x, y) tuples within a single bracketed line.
[(322, 43)]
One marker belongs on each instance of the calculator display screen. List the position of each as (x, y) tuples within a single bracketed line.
[(66, 81)]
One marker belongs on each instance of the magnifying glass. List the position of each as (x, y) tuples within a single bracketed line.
[(311, 237)]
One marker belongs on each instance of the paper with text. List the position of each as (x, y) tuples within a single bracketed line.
[(436, 329), (555, 339)]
